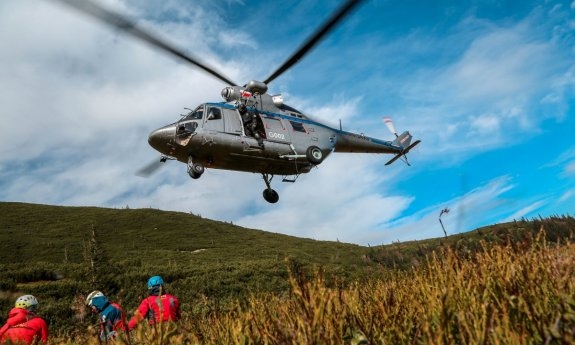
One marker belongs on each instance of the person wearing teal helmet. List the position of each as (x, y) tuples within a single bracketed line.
[(158, 307), (111, 315)]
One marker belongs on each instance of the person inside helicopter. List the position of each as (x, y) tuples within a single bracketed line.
[(250, 123), (214, 114), (247, 119)]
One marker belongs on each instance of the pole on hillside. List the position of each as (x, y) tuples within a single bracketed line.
[(445, 210)]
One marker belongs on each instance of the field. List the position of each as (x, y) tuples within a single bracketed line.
[(504, 284)]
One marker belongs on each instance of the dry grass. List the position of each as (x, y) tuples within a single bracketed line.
[(502, 295)]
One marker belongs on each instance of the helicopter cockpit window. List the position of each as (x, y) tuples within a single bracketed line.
[(196, 114), (214, 113)]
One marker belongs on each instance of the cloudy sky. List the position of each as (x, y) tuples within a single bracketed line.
[(488, 86)]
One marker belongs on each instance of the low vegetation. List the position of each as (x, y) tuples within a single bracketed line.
[(506, 284)]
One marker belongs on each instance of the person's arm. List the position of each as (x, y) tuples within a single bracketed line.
[(113, 316), (44, 332), (4, 329), (12, 321), (40, 329), (139, 315)]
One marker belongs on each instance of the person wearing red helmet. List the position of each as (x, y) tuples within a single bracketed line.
[(23, 325), (158, 307)]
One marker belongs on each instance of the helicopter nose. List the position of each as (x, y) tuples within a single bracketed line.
[(162, 137)]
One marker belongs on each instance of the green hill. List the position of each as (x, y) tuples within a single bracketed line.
[(60, 254), (56, 234)]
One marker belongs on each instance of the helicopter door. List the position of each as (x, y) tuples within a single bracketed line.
[(214, 120), (232, 123)]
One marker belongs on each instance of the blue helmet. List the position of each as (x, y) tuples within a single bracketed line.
[(155, 281)]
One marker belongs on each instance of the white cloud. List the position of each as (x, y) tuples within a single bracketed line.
[(79, 100), (341, 199), (565, 160), (487, 96), (566, 196), (478, 207), (570, 168), (486, 123)]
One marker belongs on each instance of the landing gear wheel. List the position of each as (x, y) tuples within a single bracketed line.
[(198, 168), (195, 170), (271, 195), (314, 155)]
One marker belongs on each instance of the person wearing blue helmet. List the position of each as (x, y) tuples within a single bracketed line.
[(158, 307), (111, 314)]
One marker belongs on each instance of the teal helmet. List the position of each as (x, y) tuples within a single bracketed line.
[(155, 281)]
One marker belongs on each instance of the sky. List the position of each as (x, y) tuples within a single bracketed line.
[(487, 86)]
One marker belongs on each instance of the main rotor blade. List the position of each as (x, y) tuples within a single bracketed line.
[(150, 168), (123, 23), (315, 38)]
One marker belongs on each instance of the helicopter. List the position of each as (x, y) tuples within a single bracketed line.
[(251, 130)]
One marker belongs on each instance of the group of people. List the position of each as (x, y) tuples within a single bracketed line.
[(24, 326)]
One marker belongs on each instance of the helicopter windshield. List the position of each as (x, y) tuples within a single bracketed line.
[(197, 114)]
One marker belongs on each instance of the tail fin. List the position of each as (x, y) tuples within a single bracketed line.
[(404, 140)]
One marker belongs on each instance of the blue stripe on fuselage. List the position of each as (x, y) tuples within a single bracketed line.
[(315, 123)]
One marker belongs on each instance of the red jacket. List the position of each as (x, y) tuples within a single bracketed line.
[(23, 326), (157, 309)]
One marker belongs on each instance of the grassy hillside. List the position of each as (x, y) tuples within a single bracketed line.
[(49, 251), (57, 234), (60, 254)]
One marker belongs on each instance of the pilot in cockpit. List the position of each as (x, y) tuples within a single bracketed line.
[(214, 114)]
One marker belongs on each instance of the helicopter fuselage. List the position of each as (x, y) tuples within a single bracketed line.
[(216, 135)]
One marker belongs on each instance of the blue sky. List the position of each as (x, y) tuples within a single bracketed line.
[(488, 86)]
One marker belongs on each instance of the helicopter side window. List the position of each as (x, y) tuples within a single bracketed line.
[(191, 126), (214, 114), (297, 126)]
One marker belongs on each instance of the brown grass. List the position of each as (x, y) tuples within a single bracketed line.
[(502, 295)]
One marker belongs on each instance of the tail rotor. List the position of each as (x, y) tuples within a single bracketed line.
[(390, 125), (403, 142)]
